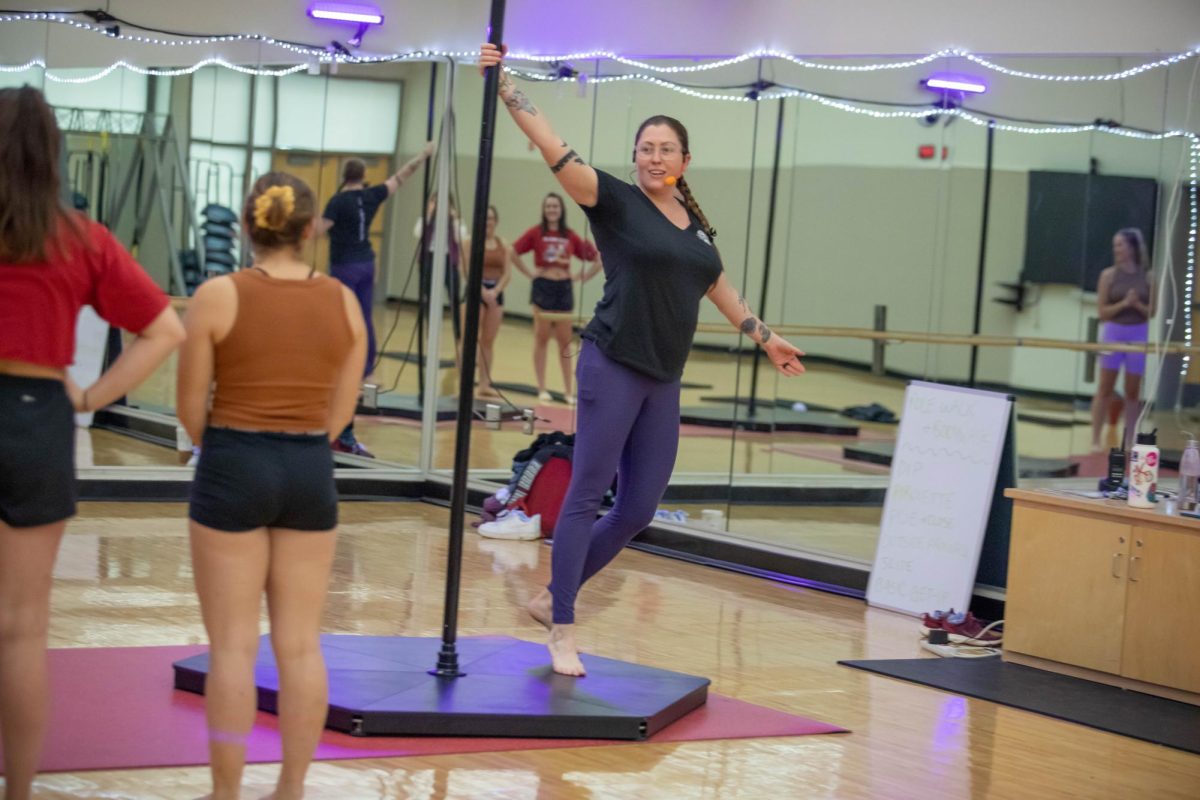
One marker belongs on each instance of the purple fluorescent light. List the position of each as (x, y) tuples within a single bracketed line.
[(956, 83), (346, 12)]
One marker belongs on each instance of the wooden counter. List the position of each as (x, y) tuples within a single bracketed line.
[(1106, 592)]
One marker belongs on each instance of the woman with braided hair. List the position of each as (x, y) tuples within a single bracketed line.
[(659, 261), (284, 346)]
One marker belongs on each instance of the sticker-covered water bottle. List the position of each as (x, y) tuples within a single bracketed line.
[(1143, 470)]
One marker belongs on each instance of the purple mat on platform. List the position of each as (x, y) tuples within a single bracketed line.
[(115, 708)]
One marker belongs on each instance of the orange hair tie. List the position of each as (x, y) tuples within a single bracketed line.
[(266, 201)]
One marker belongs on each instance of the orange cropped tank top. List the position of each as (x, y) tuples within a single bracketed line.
[(277, 367)]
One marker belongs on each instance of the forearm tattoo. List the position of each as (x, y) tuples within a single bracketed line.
[(570, 156), (517, 101), (751, 325), (505, 82)]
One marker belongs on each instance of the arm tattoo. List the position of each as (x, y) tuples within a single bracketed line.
[(748, 325), (505, 81), (570, 156), (517, 101), (764, 333)]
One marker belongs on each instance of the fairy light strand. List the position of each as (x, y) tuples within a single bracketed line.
[(325, 56)]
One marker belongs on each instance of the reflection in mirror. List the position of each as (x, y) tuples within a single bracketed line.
[(507, 383), (859, 215)]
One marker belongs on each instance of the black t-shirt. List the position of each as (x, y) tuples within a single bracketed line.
[(351, 214), (655, 275)]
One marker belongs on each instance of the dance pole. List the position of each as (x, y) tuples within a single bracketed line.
[(447, 665), (422, 278), (762, 309), (983, 239)]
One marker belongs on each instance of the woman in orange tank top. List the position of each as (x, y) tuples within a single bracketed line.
[(497, 257), (268, 376)]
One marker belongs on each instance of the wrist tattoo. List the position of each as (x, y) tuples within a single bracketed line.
[(505, 81), (764, 333), (517, 101), (748, 325), (570, 156)]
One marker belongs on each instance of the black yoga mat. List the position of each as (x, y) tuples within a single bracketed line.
[(1097, 705)]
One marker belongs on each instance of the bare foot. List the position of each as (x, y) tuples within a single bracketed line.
[(541, 608), (564, 655)]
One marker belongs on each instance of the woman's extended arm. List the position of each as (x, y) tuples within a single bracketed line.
[(404, 173), (577, 178), (783, 354)]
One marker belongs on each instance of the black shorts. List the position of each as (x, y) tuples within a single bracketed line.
[(250, 480), (37, 452), (551, 295), (491, 284)]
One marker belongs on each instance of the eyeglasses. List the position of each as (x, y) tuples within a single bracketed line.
[(666, 151)]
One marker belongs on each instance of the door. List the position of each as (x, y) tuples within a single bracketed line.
[(1161, 645), (1066, 587)]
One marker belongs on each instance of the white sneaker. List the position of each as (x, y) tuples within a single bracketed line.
[(545, 397), (513, 525)]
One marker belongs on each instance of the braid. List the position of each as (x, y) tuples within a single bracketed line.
[(694, 207)]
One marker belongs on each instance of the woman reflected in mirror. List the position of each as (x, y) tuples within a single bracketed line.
[(1125, 303)]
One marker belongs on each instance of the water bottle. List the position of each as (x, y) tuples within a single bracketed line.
[(1189, 476), (1143, 471)]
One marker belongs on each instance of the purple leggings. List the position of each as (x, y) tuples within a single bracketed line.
[(628, 426), (360, 277), (1115, 332)]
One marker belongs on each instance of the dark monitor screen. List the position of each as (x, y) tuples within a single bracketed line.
[(1071, 219)]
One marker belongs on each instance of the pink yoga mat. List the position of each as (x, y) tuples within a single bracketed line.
[(115, 708)]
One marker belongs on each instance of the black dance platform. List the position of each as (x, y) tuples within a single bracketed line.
[(883, 452), (380, 686), (768, 418), (410, 407)]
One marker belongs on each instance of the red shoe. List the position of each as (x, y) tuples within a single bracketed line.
[(934, 620), (967, 629)]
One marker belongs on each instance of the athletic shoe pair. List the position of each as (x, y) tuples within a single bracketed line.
[(679, 515), (355, 449), (962, 628), (545, 397), (513, 524)]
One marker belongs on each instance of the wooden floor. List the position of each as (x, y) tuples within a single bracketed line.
[(124, 579)]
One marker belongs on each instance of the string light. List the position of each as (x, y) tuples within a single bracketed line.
[(308, 51), (163, 72), (311, 51)]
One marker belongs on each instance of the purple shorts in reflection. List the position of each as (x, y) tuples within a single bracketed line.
[(1135, 363)]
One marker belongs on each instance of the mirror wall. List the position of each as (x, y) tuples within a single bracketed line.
[(848, 210)]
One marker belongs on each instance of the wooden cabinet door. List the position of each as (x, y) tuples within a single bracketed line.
[(1066, 587), (1161, 645)]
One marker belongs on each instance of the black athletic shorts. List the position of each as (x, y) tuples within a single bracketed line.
[(552, 295), (248, 480), (492, 284), (37, 452)]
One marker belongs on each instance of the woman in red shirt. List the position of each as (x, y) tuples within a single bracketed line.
[(52, 263), (553, 244)]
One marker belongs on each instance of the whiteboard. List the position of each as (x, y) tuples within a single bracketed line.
[(936, 508)]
